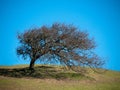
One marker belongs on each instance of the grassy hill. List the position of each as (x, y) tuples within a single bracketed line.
[(56, 78)]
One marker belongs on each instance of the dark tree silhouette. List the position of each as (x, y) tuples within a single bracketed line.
[(60, 43)]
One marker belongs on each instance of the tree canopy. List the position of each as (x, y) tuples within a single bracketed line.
[(59, 43)]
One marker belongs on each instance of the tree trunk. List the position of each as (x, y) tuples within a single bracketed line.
[(31, 67)]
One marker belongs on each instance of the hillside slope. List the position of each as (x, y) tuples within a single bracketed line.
[(55, 78)]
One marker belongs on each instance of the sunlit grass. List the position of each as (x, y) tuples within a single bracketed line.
[(60, 80)]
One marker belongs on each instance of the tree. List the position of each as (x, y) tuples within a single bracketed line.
[(61, 43)]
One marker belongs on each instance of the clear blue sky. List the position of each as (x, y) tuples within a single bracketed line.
[(101, 18)]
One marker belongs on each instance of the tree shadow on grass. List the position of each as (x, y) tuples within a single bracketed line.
[(41, 72)]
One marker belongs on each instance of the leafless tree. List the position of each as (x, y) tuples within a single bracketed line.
[(59, 43)]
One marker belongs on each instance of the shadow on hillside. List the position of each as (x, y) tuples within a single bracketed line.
[(40, 72)]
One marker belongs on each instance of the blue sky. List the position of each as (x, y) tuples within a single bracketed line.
[(101, 18)]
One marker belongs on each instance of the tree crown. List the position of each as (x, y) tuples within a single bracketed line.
[(60, 42)]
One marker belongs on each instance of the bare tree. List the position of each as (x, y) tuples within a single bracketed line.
[(60, 43)]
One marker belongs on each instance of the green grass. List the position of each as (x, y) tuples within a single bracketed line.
[(55, 78)]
